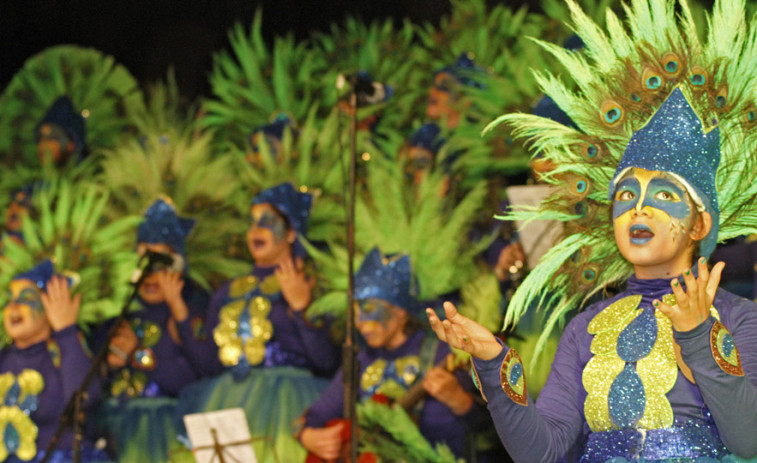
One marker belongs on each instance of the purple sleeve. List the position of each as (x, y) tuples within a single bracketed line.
[(74, 364), (328, 406), (319, 348), (731, 399), (196, 336), (548, 430), (214, 366)]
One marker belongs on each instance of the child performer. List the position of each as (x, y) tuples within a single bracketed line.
[(398, 353), (666, 370)]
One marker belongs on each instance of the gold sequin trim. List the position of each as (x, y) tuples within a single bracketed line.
[(517, 392), (731, 363)]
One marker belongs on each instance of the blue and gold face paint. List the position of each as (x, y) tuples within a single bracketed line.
[(28, 296), (270, 221), (644, 190), (374, 310)]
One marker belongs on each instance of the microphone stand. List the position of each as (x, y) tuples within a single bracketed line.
[(349, 349), (72, 414)]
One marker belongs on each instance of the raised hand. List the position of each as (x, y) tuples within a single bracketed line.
[(463, 333), (171, 284), (444, 387), (693, 305), (61, 309), (295, 285)]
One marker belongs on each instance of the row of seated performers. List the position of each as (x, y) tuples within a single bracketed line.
[(249, 345)]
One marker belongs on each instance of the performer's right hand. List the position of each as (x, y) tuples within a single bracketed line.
[(123, 344), (463, 333), (323, 442)]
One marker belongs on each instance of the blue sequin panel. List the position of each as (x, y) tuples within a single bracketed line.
[(638, 338), (626, 399)]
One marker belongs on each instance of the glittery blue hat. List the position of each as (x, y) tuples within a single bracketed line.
[(39, 275), (428, 137), (369, 91), (675, 140), (63, 114), (389, 278), (274, 130), (162, 225), (463, 71), (293, 204)]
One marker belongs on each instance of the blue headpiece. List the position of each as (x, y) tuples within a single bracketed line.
[(63, 114), (275, 129), (428, 137), (389, 278), (39, 275), (162, 225), (293, 204), (369, 91), (463, 71), (23, 196), (675, 140)]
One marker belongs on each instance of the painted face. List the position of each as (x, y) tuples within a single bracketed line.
[(380, 323), (441, 102), (24, 317), (268, 237), (53, 144), (16, 211), (150, 290), (652, 215), (419, 161)]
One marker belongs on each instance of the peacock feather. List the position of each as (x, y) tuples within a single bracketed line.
[(171, 159), (103, 90), (68, 224), (617, 83)]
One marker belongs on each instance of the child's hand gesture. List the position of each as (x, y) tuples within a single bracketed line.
[(693, 305), (463, 333), (61, 309)]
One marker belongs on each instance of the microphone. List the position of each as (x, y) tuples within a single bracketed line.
[(157, 261)]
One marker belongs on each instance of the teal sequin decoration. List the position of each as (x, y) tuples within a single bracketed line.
[(626, 399), (11, 439), (638, 338)]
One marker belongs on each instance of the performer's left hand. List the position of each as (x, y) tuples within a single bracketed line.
[(61, 309), (693, 305), (444, 387), (171, 284), (295, 285)]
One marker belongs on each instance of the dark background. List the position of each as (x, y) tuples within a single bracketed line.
[(150, 36)]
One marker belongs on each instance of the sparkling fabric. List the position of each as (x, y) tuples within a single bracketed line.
[(512, 378), (391, 378), (724, 350), (694, 440), (387, 278), (293, 204), (675, 140), (162, 225)]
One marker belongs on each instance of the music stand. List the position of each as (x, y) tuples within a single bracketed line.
[(221, 436)]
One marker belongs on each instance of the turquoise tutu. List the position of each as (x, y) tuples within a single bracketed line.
[(142, 430), (272, 399)]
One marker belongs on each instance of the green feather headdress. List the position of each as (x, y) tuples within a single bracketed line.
[(68, 224), (171, 160), (104, 91), (629, 71)]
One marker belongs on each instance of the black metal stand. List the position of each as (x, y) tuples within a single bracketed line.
[(73, 414)]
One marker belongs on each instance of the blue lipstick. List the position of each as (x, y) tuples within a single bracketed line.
[(640, 234)]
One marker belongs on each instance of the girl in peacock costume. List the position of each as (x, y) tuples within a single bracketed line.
[(271, 348), (48, 358), (397, 353), (666, 370), (161, 347)]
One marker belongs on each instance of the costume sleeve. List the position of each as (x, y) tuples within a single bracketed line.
[(328, 406), (196, 338), (214, 366), (75, 362), (319, 348), (725, 371), (536, 433)]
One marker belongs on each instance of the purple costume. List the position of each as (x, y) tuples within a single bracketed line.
[(400, 367), (37, 383), (250, 312), (615, 389)]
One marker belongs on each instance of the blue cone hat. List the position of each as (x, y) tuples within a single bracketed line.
[(675, 140), (428, 136), (162, 225), (464, 71), (39, 275), (293, 204), (389, 278), (63, 114)]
